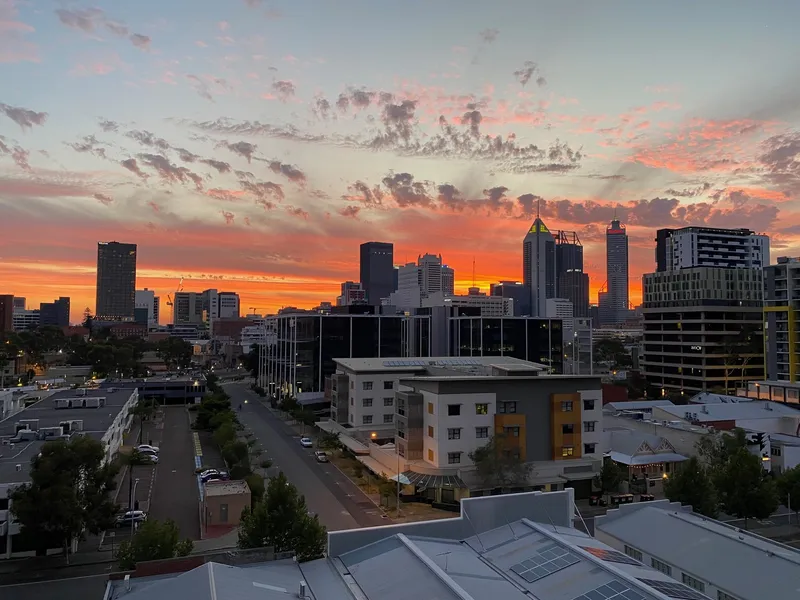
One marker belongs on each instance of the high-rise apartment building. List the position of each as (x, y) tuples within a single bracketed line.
[(710, 247), (6, 313), (205, 307), (515, 290), (617, 273), (55, 313), (147, 307), (539, 266), (781, 308), (116, 281), (352, 293), (377, 271), (429, 276)]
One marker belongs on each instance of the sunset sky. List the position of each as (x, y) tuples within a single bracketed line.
[(252, 145)]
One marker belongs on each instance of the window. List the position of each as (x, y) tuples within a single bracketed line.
[(589, 448), (511, 431), (588, 405), (352, 401), (693, 583), (775, 450), (566, 406), (430, 408), (352, 384), (481, 409), (633, 553), (454, 433), (660, 566), (507, 407), (430, 431), (366, 402), (366, 420), (388, 401), (723, 596), (388, 385), (588, 426), (366, 386), (567, 451), (430, 455), (453, 458), (568, 429), (481, 432), (453, 410), (388, 418)]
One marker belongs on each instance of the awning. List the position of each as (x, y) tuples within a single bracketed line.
[(376, 467), (354, 446), (434, 481), (646, 459)]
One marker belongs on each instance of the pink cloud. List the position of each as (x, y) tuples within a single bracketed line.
[(223, 25), (14, 48)]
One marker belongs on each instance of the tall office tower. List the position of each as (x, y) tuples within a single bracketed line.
[(377, 271), (448, 281), (571, 282), (19, 303), (55, 313), (515, 290), (617, 272), (6, 313), (116, 281), (539, 266), (427, 278), (710, 247)]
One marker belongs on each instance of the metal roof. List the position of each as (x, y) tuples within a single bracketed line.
[(434, 481), (730, 412), (694, 544)]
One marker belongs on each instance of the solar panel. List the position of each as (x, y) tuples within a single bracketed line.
[(545, 562), (674, 589), (611, 556), (613, 590)]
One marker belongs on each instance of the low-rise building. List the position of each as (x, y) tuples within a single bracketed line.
[(646, 459), (766, 417), (24, 320), (101, 414), (223, 503), (715, 559)]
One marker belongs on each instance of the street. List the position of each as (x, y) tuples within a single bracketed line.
[(338, 502)]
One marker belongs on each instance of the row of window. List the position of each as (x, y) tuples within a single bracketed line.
[(387, 419), (454, 433), (367, 385), (504, 408), (569, 428), (667, 570), (367, 402), (567, 451), (453, 458)]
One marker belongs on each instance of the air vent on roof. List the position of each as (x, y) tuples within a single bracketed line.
[(673, 589)]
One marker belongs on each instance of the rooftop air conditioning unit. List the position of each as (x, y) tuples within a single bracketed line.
[(63, 403), (32, 424)]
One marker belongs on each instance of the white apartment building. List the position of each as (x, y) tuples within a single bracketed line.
[(426, 278), (147, 299), (561, 308), (490, 306), (710, 247), (23, 320)]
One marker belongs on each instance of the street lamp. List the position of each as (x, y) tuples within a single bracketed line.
[(133, 495)]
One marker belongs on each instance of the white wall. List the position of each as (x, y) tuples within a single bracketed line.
[(467, 421), (594, 415), (378, 393)]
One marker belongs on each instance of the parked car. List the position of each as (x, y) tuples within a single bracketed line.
[(131, 516), (153, 458), (321, 456), (201, 470), (306, 442), (207, 472), (217, 475), (148, 448)]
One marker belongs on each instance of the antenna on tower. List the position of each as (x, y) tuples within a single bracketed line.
[(473, 271), (538, 205)]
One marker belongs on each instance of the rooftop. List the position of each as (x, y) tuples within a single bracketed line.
[(728, 412), (631, 447), (711, 398), (226, 488), (636, 405), (412, 365), (95, 421), (694, 544)]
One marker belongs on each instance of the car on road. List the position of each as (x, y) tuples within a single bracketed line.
[(321, 456), (148, 448), (152, 458), (131, 516), (306, 442)]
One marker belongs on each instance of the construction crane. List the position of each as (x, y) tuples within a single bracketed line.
[(253, 310), (170, 303)]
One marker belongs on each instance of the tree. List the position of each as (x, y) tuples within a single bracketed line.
[(789, 488), (175, 352), (745, 490), (214, 410), (281, 520), (609, 477), (612, 351), (257, 488), (224, 434), (153, 541), (692, 485), (498, 463), (741, 348), (68, 492)]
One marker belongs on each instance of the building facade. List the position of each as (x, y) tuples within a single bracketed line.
[(710, 247), (574, 286), (781, 306), (116, 281), (205, 307), (55, 313), (352, 293), (377, 271), (539, 266), (25, 320), (6, 313), (429, 277), (617, 300), (147, 301), (702, 329), (516, 291)]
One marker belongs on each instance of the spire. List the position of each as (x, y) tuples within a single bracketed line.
[(538, 206)]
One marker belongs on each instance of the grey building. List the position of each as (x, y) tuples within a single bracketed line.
[(574, 286), (55, 313), (116, 281), (781, 306), (539, 266), (710, 247), (517, 291), (378, 277), (616, 274)]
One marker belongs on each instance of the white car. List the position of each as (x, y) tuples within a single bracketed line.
[(153, 458), (306, 442), (147, 448)]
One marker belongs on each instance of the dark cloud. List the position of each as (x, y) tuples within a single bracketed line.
[(399, 119), (297, 212), (133, 167), (291, 172), (321, 107), (529, 204), (284, 89), (527, 71), (244, 149), (21, 157), (103, 199), (90, 145), (108, 126), (186, 155), (148, 139), (689, 192), (220, 166), (201, 87), (89, 20), (255, 128), (450, 197), (264, 191), (23, 117), (168, 172), (228, 216), (473, 119), (489, 35), (140, 41), (3, 146), (780, 160), (361, 192), (407, 192), (350, 211)]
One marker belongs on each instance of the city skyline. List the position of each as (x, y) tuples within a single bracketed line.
[(255, 150)]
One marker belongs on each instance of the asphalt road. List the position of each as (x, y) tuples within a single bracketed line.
[(338, 502), (175, 492)]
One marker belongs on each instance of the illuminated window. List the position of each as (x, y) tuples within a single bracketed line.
[(567, 451), (430, 455), (481, 409), (430, 431), (430, 408)]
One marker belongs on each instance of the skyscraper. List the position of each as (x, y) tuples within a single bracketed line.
[(617, 272), (6, 313), (55, 312), (116, 281), (539, 266), (571, 282), (377, 271)]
